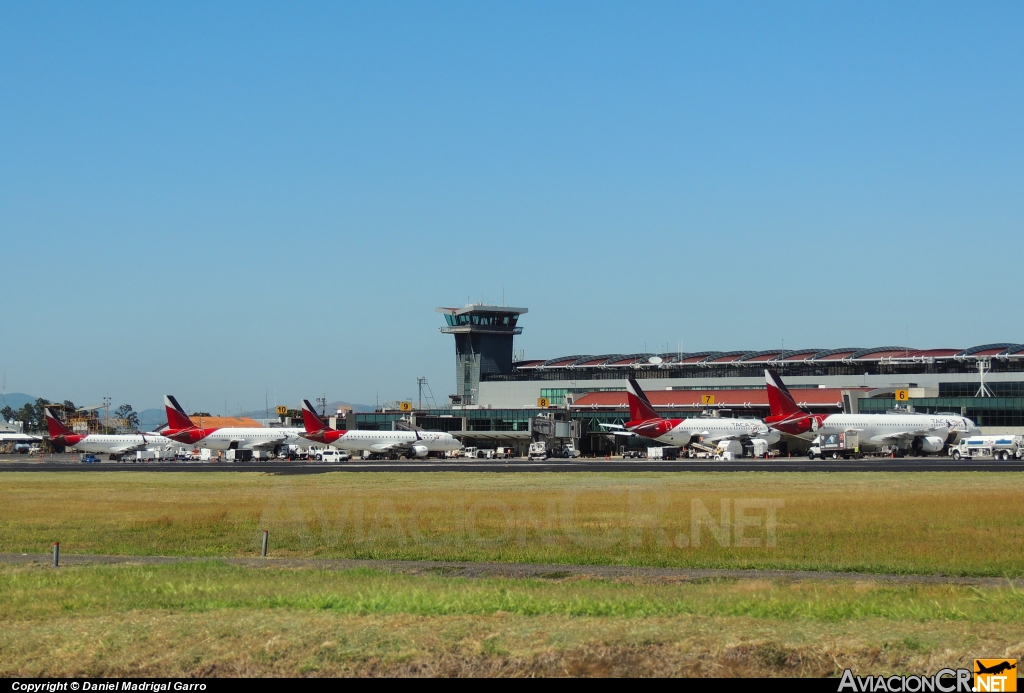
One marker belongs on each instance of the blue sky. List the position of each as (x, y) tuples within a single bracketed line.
[(222, 200)]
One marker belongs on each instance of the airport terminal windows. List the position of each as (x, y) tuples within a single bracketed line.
[(556, 395), (984, 411), (1009, 389), (481, 320)]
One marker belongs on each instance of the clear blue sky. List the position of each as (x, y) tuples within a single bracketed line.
[(219, 200)]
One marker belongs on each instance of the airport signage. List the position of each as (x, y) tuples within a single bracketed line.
[(542, 402), (902, 395), (281, 411), (405, 406), (707, 399)]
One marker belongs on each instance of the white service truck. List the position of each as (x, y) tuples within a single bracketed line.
[(539, 450), (1001, 447), (667, 452)]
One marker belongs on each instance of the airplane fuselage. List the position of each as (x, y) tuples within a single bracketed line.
[(876, 430), (113, 444), (385, 441), (683, 431), (239, 438)]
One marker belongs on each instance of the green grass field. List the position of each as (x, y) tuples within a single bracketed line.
[(958, 524), (211, 618)]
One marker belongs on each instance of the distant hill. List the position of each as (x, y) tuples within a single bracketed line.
[(17, 400), (150, 419), (331, 408)]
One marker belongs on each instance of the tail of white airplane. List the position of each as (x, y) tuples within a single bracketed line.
[(640, 408), (177, 419), (55, 425), (780, 402), (310, 419)]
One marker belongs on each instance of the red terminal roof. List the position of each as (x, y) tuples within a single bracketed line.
[(839, 356), (762, 358), (878, 355), (592, 362), (800, 355), (728, 358)]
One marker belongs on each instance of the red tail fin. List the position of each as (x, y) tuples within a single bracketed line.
[(640, 408), (310, 419), (177, 419), (56, 427), (780, 401)]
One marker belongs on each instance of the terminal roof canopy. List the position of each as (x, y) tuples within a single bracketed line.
[(755, 359)]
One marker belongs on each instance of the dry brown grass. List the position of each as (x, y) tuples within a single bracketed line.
[(957, 523), (273, 643)]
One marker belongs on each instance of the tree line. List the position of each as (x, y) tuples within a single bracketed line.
[(33, 418)]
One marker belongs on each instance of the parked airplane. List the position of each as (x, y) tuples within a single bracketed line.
[(114, 445), (182, 429), (644, 421), (919, 433), (407, 443)]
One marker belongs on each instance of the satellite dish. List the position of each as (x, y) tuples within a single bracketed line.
[(654, 360)]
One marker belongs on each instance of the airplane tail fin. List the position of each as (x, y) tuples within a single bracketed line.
[(640, 408), (55, 425), (310, 418), (176, 416), (780, 402)]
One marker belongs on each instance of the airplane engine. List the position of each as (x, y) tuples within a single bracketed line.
[(929, 444), (418, 451)]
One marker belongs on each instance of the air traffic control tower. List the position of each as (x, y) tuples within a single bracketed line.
[(483, 344)]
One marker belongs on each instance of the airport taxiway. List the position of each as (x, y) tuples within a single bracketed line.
[(66, 463)]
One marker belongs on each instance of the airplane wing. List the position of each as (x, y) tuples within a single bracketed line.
[(616, 430), (901, 436), (18, 438), (266, 444), (126, 448), (397, 446)]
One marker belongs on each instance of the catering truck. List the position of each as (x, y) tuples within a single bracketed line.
[(835, 446)]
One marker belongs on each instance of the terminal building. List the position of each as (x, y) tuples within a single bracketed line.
[(497, 396)]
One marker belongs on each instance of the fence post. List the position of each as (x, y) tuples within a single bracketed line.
[(266, 537), (56, 553)]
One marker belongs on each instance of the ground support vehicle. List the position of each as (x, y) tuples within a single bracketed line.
[(836, 446), (332, 455), (729, 450), (1000, 447), (90, 458), (503, 453), (667, 452), (238, 455), (538, 451)]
